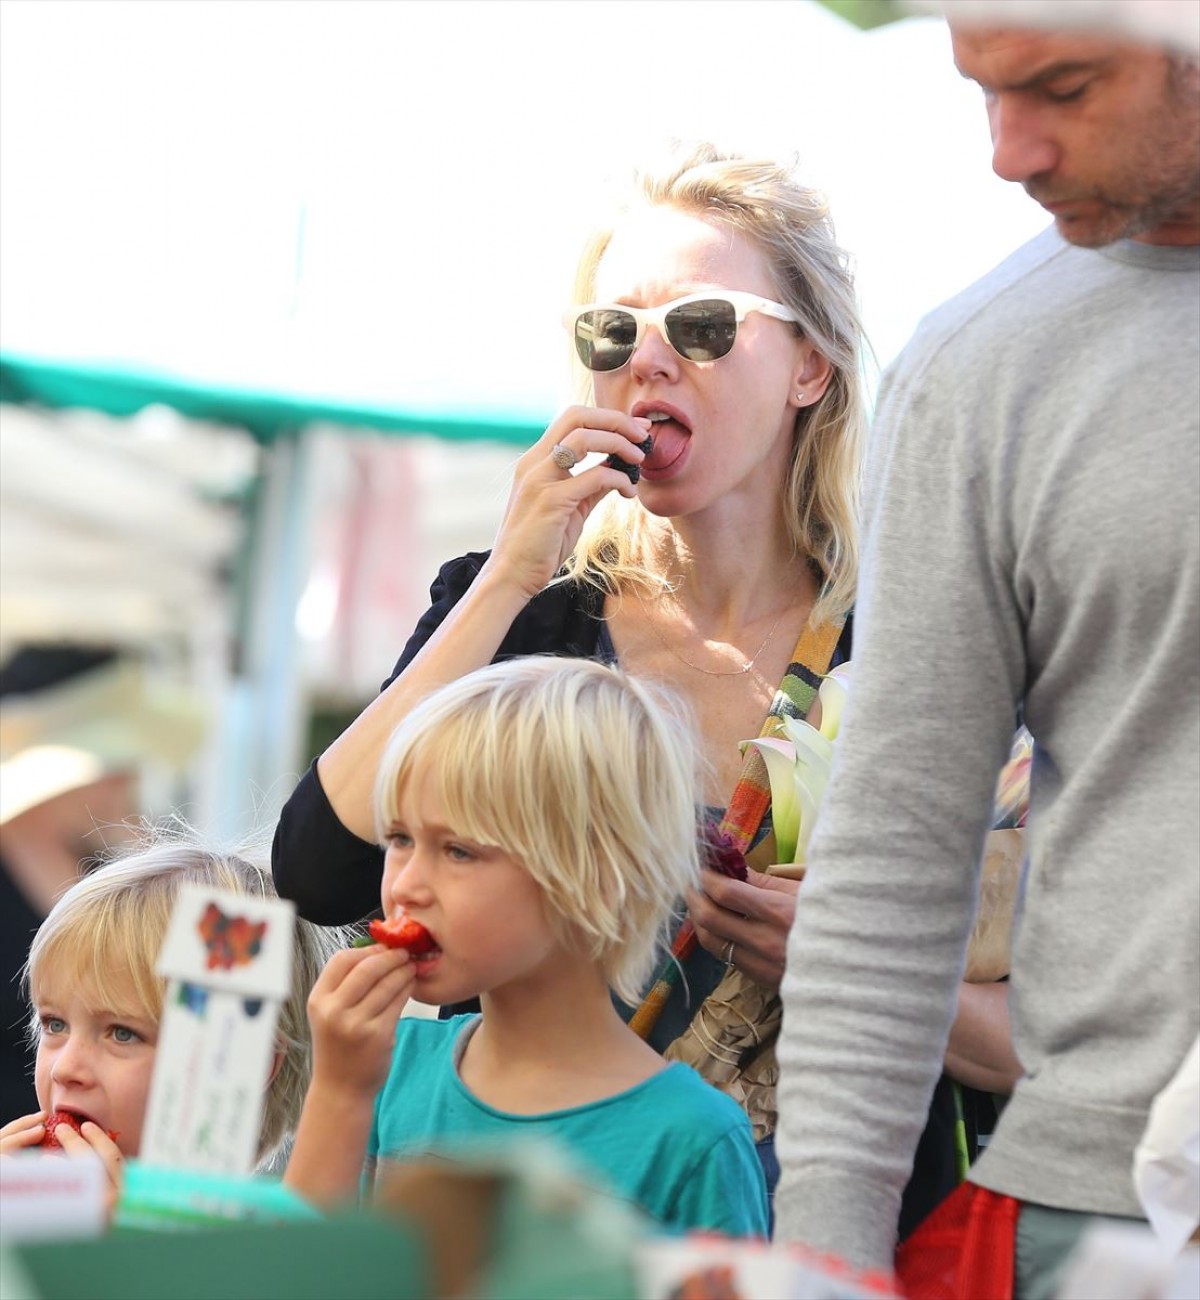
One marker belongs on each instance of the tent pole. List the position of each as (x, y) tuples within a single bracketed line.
[(260, 750)]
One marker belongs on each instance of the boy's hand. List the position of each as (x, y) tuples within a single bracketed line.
[(92, 1140), (22, 1134), (26, 1134), (353, 1009)]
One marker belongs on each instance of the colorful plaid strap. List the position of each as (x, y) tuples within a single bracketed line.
[(751, 796)]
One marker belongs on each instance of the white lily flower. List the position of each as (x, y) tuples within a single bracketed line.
[(780, 758), (834, 692), (798, 768)]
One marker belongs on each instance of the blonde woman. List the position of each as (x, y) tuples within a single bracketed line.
[(716, 330), (727, 333)]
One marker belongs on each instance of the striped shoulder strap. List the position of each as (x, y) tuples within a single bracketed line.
[(810, 662), (751, 796)]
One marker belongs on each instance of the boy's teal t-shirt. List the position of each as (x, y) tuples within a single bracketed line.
[(675, 1146)]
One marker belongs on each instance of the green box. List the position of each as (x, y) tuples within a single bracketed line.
[(357, 1258)]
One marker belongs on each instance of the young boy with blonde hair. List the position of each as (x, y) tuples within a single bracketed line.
[(97, 999), (540, 822)]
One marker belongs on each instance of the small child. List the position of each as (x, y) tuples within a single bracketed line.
[(540, 821), (97, 1000)]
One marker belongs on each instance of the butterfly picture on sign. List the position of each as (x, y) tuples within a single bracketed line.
[(230, 942)]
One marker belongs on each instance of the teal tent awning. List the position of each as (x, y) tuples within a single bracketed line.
[(267, 416)]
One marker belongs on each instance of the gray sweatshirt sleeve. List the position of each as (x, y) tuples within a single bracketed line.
[(877, 950)]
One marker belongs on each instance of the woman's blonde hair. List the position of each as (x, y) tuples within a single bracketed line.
[(790, 225), (585, 776), (106, 931)]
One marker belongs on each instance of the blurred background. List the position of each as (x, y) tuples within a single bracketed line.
[(280, 288)]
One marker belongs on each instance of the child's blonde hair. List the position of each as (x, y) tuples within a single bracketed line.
[(587, 777), (107, 930)]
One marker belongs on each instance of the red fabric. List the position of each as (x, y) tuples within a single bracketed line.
[(965, 1250)]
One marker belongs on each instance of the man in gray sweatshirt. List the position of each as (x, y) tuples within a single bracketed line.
[(1032, 552)]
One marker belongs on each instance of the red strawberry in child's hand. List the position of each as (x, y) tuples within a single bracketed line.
[(62, 1119), (402, 932)]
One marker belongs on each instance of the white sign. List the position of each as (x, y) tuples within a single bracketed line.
[(44, 1197), (228, 960)]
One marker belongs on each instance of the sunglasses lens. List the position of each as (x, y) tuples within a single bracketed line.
[(605, 339), (702, 331)]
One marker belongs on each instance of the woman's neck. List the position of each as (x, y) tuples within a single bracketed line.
[(725, 582)]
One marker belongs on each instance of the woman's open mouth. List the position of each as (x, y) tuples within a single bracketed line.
[(671, 434)]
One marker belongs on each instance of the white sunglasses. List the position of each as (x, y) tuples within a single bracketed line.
[(700, 327)]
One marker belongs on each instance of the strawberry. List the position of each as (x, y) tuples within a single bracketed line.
[(62, 1119), (402, 932)]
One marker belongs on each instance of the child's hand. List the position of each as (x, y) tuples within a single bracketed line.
[(26, 1134), (353, 1010), (92, 1140), (22, 1134)]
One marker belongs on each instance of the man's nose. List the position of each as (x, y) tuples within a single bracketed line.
[(1022, 147)]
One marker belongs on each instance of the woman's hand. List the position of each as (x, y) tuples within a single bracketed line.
[(548, 506), (755, 916), (353, 1009), (546, 510)]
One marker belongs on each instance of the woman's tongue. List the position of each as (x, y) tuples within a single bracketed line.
[(669, 438)]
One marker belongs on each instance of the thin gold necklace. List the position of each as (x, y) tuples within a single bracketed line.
[(710, 672)]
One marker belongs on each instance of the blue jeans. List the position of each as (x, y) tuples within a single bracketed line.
[(770, 1164)]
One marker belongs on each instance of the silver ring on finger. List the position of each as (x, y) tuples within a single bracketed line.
[(727, 956), (564, 457)]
